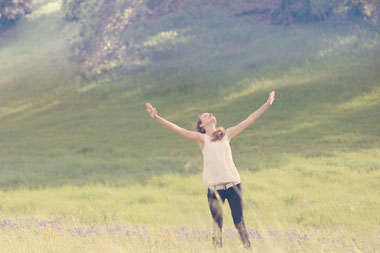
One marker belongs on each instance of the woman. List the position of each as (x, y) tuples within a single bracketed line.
[(219, 171)]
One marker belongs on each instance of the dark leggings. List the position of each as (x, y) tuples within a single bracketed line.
[(216, 199)]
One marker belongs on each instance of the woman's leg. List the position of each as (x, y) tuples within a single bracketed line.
[(235, 199), (215, 202)]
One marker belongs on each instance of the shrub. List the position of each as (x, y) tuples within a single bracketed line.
[(13, 10)]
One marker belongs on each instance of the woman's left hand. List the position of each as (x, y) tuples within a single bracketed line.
[(271, 98)]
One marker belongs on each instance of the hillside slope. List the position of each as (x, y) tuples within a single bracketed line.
[(58, 129)]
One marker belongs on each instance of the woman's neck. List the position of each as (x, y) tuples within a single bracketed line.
[(210, 130)]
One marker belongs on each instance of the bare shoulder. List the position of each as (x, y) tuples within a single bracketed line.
[(199, 136), (200, 139), (228, 133)]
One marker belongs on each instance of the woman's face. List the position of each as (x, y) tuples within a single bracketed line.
[(207, 118)]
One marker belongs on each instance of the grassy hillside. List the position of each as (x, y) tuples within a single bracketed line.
[(325, 76), (89, 150)]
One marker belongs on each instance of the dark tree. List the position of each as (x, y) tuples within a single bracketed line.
[(13, 10)]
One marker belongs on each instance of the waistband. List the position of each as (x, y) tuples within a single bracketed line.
[(222, 186)]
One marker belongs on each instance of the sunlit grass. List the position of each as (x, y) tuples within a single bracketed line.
[(315, 203), (321, 190), (369, 99), (164, 37), (89, 151), (66, 235), (46, 9)]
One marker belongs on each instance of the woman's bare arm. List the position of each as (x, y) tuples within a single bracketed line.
[(235, 130), (191, 135)]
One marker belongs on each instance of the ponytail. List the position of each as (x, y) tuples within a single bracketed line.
[(216, 136)]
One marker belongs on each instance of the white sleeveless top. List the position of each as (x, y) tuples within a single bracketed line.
[(218, 166)]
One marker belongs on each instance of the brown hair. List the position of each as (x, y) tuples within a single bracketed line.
[(216, 136)]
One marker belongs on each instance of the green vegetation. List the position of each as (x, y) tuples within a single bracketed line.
[(13, 10), (89, 149), (115, 37)]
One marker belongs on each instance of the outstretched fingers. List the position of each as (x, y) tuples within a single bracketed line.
[(151, 110), (271, 97), (149, 107)]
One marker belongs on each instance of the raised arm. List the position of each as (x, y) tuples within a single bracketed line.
[(191, 135), (235, 130)]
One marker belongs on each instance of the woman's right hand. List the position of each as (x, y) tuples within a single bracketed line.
[(152, 110)]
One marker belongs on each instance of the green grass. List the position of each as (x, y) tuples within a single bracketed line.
[(90, 151), (169, 239)]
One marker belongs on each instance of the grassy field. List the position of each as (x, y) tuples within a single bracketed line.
[(85, 156)]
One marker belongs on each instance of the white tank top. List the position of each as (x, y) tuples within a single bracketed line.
[(218, 166)]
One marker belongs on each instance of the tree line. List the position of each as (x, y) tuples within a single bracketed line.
[(104, 44)]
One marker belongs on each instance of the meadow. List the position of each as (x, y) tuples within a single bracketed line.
[(83, 168)]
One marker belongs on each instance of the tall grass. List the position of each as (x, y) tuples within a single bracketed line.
[(90, 152)]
